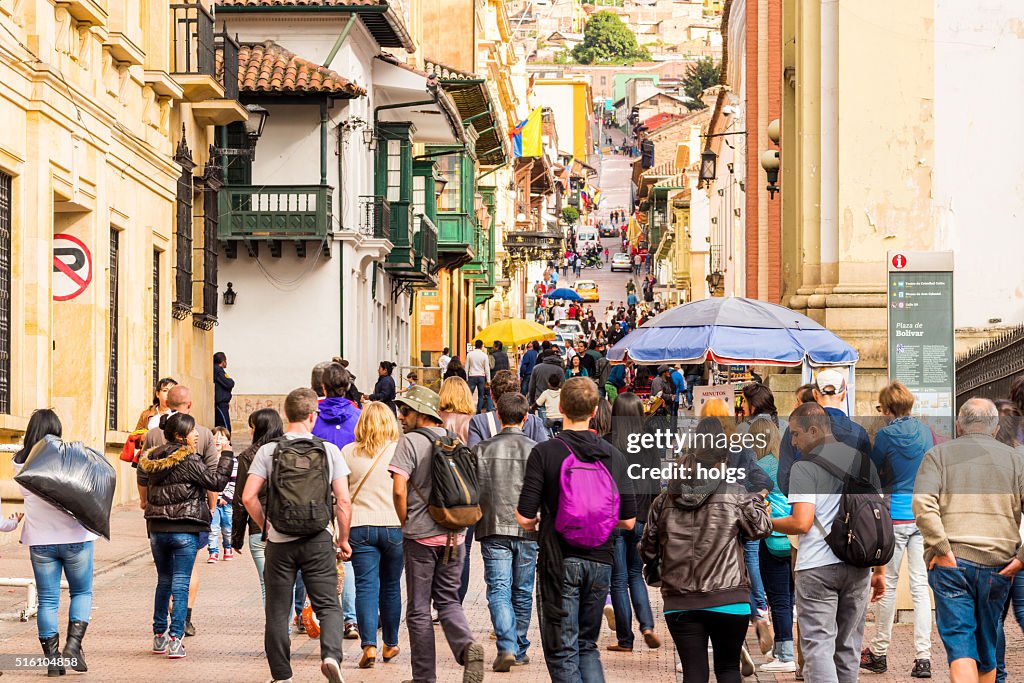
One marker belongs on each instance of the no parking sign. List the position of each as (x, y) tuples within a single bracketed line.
[(72, 267)]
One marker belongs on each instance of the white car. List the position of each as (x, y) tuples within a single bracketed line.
[(569, 330), (622, 261)]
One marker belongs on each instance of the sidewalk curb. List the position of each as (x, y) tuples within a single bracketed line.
[(120, 562)]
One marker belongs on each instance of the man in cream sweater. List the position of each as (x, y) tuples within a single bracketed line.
[(968, 498)]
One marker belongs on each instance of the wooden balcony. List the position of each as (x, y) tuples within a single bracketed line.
[(273, 214)]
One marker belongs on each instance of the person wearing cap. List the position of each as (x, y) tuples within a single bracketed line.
[(830, 393), (430, 576), (662, 383)]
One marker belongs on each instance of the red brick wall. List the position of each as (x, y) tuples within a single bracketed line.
[(774, 255), (753, 113)]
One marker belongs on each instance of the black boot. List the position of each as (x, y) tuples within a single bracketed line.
[(51, 650), (73, 645)]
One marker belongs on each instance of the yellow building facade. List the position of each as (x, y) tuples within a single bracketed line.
[(107, 260)]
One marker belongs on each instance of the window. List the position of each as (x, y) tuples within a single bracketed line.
[(183, 234), (5, 292), (451, 167), (115, 245), (156, 317), (604, 80), (394, 170), (419, 194), (210, 183), (239, 168)]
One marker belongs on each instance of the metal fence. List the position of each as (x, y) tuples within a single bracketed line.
[(988, 370)]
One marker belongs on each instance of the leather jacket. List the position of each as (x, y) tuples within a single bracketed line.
[(177, 480), (501, 462), (695, 528)]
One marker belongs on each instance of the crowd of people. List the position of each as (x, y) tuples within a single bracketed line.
[(348, 493)]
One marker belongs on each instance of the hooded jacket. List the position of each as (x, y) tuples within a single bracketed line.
[(177, 480), (549, 365), (899, 449), (695, 529), (336, 422)]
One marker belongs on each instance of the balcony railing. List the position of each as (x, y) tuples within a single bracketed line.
[(375, 216), (274, 212), (229, 78), (425, 243), (194, 45)]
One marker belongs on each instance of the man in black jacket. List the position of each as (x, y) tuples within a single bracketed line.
[(509, 552), (222, 386)]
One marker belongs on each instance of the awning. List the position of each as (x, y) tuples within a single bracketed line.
[(433, 114), (477, 109)]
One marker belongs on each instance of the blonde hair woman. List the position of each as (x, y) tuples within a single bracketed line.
[(457, 406), (376, 535)]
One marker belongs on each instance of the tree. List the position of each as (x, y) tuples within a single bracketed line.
[(570, 214), (700, 76), (607, 40)]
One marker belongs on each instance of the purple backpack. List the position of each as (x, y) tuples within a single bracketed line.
[(588, 502)]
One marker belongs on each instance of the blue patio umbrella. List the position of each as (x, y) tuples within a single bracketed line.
[(733, 330), (564, 293)]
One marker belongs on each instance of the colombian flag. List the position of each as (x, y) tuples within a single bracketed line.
[(526, 136)]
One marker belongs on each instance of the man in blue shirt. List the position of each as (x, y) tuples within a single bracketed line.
[(680, 384), (830, 394), (526, 364)]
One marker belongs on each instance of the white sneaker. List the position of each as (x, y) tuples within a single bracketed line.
[(331, 671), (779, 667), (679, 667)]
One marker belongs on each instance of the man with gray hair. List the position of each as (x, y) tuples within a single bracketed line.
[(968, 498)]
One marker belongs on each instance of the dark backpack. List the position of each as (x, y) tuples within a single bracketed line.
[(299, 497), (454, 501), (862, 533)]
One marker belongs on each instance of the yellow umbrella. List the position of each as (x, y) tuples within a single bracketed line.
[(514, 331)]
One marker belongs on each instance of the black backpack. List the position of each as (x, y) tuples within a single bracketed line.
[(862, 533), (299, 497), (454, 501)]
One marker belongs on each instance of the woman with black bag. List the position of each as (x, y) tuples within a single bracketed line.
[(57, 543)]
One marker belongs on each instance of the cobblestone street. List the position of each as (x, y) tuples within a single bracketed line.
[(229, 619)]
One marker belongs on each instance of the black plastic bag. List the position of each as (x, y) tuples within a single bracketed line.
[(73, 478)]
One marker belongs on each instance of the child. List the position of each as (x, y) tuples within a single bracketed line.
[(413, 379), (221, 522), (549, 401)]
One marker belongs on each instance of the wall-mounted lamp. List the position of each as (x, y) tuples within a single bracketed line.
[(369, 138), (770, 162), (229, 296), (714, 280), (708, 166)]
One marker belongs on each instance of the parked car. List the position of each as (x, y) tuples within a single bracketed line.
[(587, 289), (608, 230), (622, 261)]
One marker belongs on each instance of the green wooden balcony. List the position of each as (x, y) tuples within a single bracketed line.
[(457, 240), (274, 212)]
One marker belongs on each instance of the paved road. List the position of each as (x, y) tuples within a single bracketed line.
[(229, 616)]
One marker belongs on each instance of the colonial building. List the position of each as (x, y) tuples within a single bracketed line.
[(108, 212)]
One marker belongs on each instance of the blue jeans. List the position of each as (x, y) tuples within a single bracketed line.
[(584, 588), (751, 550), (510, 564), (464, 579), (1016, 602), (221, 523), (777, 575), (377, 561), (477, 382), (969, 601), (174, 554), (48, 561), (629, 591)]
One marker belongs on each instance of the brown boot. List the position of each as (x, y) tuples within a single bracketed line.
[(390, 652), (369, 657)]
